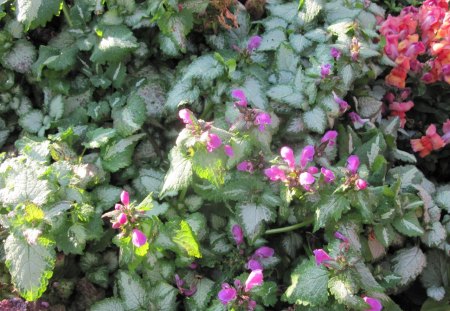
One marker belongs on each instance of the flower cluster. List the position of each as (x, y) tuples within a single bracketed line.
[(353, 179), (185, 291), (124, 216), (238, 294), (416, 32), (250, 116), (399, 107), (431, 140), (255, 261)]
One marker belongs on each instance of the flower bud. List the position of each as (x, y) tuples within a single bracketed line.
[(238, 234), (321, 256), (353, 163), (227, 294), (138, 238), (288, 156), (264, 252), (360, 184), (125, 198), (122, 219), (254, 279)]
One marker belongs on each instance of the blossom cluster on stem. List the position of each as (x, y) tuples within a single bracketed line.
[(239, 293), (252, 117), (431, 140)]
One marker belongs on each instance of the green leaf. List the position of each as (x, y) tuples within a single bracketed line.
[(131, 117), (117, 41), (31, 266), (272, 40), (268, 293), (163, 297), (252, 218), (308, 285), (99, 137), (70, 238), (408, 263), (434, 235), (436, 273), (286, 94), (367, 280), (183, 91), (118, 154), (209, 166), (34, 13), (442, 197), (177, 26), (286, 59), (20, 57), (202, 296), (108, 304), (330, 208), (180, 172), (347, 75), (385, 234), (299, 42), (205, 67), (254, 91), (408, 224), (186, 240), (132, 291), (32, 121), (344, 289), (315, 120), (54, 59)]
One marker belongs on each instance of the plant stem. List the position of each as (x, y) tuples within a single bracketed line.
[(305, 223), (182, 194), (65, 10)]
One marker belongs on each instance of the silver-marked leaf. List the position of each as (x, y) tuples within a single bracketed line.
[(253, 217), (118, 154), (34, 13), (132, 291), (408, 263), (315, 120)]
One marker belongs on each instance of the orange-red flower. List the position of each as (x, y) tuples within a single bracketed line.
[(427, 143)]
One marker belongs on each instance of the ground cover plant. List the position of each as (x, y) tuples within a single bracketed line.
[(224, 155)]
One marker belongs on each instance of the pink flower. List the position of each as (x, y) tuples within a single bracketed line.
[(240, 96), (307, 155), (321, 256), (312, 170), (325, 70), (360, 184), (138, 238), (125, 198), (118, 207), (238, 234), (335, 53), (340, 236), (288, 155), (122, 219), (358, 122), (343, 105), (375, 304), (329, 137), (228, 150), (328, 175), (353, 163), (262, 119), (446, 130), (253, 43), (185, 116), (264, 252), (275, 173), (306, 179), (254, 279), (213, 142), (245, 166), (253, 264), (227, 294)]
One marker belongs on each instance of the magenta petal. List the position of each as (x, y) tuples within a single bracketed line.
[(264, 252), (288, 155), (253, 264), (238, 234), (262, 119), (321, 256), (335, 53), (329, 137), (360, 184), (228, 150), (185, 116), (340, 236), (254, 279), (245, 166), (307, 155), (306, 179), (275, 173), (122, 219), (375, 304), (240, 95), (226, 295), (328, 175), (353, 163), (138, 238), (312, 170), (253, 43), (213, 143), (125, 198)]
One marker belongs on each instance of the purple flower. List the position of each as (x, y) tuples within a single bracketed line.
[(325, 70), (360, 184), (264, 252), (328, 175), (228, 150), (343, 105), (125, 198), (275, 173), (262, 119), (375, 304), (306, 179), (122, 219), (251, 305), (329, 137), (288, 155), (138, 238), (307, 155), (254, 279), (227, 294), (253, 43), (312, 170), (335, 53), (238, 234), (353, 163), (321, 256), (213, 142), (185, 116), (118, 207), (340, 236), (358, 122), (240, 96), (245, 166), (253, 264)]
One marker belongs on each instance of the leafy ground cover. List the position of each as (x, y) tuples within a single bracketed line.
[(224, 155)]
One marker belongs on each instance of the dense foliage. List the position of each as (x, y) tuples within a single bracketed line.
[(214, 155)]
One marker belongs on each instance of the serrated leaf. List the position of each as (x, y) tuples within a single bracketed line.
[(330, 208), (286, 59), (132, 291), (31, 266), (108, 304), (99, 137), (131, 117), (20, 57), (308, 285), (385, 234), (367, 280), (252, 218), (435, 274), (117, 41), (34, 13), (180, 172), (404, 156), (254, 91), (344, 289), (118, 154), (202, 296), (272, 40), (177, 26), (408, 264), (315, 120), (209, 166), (286, 94), (163, 297), (56, 108), (182, 91), (205, 67), (442, 197), (317, 35), (435, 235), (299, 42), (347, 75), (408, 224), (185, 238), (32, 121)]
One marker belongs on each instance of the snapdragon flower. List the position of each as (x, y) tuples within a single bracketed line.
[(328, 175), (185, 116), (343, 105), (245, 166), (360, 184)]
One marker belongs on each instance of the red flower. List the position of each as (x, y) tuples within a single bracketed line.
[(431, 141)]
